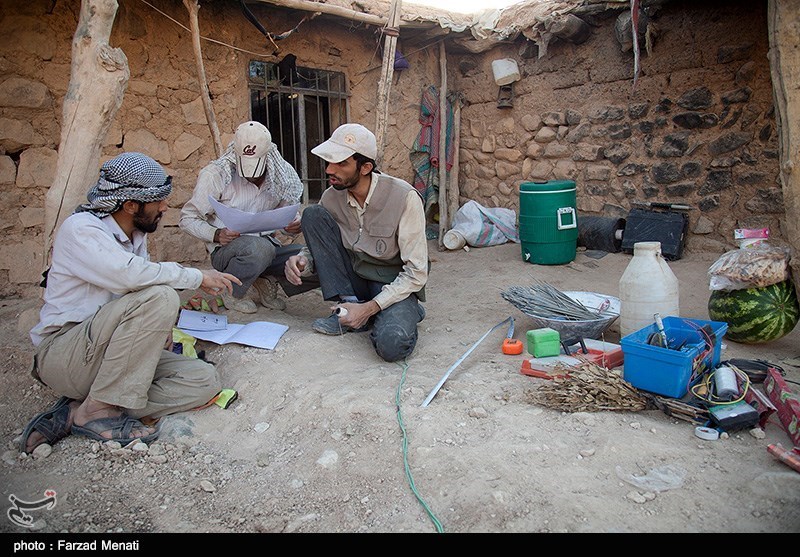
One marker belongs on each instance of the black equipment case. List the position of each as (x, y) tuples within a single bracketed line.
[(647, 225)]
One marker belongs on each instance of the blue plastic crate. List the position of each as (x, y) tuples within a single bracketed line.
[(667, 371)]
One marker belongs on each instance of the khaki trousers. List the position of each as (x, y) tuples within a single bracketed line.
[(117, 356)]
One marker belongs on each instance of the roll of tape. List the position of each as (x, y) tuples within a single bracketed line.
[(341, 312), (707, 433)]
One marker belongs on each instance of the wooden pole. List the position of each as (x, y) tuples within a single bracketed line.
[(443, 221), (192, 6), (99, 76), (387, 70), (453, 193)]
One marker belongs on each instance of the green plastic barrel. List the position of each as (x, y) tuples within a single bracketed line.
[(548, 222)]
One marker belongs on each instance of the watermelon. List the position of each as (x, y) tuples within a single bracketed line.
[(756, 315)]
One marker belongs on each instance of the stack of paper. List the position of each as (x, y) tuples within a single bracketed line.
[(215, 328)]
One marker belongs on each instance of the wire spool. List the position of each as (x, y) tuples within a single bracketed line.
[(601, 233)]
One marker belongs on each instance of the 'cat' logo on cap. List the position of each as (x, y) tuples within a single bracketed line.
[(249, 150)]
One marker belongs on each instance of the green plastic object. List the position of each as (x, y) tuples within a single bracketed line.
[(544, 342), (225, 398), (548, 222)]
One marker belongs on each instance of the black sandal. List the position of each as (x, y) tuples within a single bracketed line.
[(52, 424)]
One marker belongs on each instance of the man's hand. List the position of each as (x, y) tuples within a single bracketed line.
[(357, 314), (294, 267), (224, 236), (215, 282), (294, 226)]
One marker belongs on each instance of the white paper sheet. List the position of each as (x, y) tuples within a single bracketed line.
[(201, 321), (261, 334), (244, 222)]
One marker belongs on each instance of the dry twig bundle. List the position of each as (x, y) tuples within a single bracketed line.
[(589, 388)]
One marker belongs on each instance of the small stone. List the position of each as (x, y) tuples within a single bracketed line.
[(112, 445), (328, 459), (635, 425), (636, 497), (478, 412), (261, 427), (756, 432), (207, 486), (724, 435), (139, 447), (42, 451), (10, 457), (587, 452)]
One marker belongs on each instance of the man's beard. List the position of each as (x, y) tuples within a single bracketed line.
[(345, 184), (142, 224)]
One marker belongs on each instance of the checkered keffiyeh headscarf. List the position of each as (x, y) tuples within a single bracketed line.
[(126, 177)]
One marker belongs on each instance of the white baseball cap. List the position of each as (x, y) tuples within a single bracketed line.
[(345, 141), (252, 143)]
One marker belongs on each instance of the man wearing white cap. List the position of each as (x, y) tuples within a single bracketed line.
[(367, 245), (250, 176)]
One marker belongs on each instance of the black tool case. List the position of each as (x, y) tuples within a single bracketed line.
[(649, 225)]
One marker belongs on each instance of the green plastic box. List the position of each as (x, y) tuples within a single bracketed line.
[(544, 342)]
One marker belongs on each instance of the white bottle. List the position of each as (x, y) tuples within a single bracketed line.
[(648, 286)]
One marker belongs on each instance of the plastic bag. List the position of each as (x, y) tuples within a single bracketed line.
[(481, 226), (663, 478), (751, 267)]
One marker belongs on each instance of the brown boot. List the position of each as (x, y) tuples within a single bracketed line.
[(267, 288)]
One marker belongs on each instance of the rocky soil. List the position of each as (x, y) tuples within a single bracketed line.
[(326, 437)]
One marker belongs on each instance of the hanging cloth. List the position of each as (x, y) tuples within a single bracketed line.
[(425, 151)]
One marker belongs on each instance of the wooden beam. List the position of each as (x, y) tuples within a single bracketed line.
[(193, 7), (387, 70), (309, 6), (443, 220), (453, 190), (98, 79), (412, 21)]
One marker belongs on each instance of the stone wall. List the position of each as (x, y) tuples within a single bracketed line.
[(162, 112), (698, 129)]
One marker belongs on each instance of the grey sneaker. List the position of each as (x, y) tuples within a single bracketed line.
[(331, 326), (243, 305), (267, 288)]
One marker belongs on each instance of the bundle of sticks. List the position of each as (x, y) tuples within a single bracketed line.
[(589, 387)]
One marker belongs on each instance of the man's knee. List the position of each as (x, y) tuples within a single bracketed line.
[(161, 299), (315, 216), (394, 344), (255, 247)]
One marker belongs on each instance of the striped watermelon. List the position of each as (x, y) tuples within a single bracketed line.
[(756, 315)]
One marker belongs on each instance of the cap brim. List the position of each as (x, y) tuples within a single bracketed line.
[(332, 152), (250, 167)]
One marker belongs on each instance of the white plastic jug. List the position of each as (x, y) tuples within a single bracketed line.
[(648, 286), (454, 239), (505, 71)]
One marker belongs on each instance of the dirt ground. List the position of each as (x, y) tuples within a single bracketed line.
[(326, 437)]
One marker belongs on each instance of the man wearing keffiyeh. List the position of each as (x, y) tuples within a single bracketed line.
[(250, 176), (108, 311)]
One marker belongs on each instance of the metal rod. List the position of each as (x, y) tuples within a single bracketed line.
[(462, 358)]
